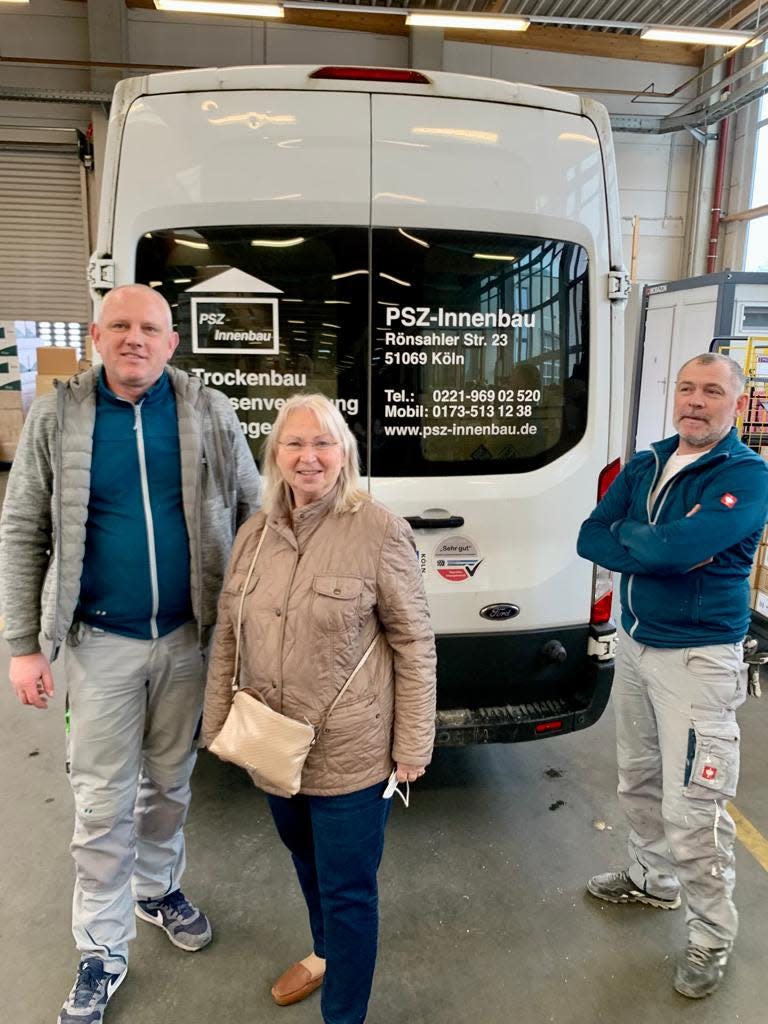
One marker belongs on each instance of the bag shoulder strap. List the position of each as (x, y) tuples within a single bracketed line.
[(243, 592), (343, 690)]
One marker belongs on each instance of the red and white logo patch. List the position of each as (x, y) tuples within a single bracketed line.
[(709, 772), (729, 500)]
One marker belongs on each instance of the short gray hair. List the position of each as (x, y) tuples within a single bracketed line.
[(350, 496), (708, 358)]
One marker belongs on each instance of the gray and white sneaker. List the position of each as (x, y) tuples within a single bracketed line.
[(700, 970), (618, 887), (93, 989), (185, 924)]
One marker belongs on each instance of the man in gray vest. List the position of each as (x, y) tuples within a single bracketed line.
[(129, 483)]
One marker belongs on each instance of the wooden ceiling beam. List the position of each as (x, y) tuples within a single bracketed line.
[(737, 18)]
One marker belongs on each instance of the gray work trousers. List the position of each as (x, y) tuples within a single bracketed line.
[(134, 710), (678, 755)]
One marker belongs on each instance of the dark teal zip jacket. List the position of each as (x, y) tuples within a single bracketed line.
[(668, 598), (136, 570)]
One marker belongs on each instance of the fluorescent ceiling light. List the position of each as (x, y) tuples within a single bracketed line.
[(470, 134), (221, 7), (493, 256), (389, 277), (190, 244), (413, 238), (478, 21), (276, 243), (348, 273), (705, 36)]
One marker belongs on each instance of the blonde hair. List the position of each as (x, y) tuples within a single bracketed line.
[(277, 493)]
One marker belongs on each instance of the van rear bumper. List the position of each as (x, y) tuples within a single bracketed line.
[(539, 696)]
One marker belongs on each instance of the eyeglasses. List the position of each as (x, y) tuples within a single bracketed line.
[(298, 446)]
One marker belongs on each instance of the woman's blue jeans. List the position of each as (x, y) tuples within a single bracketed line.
[(336, 843)]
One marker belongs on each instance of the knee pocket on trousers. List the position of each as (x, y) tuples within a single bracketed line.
[(712, 762)]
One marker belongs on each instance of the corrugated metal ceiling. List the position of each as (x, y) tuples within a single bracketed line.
[(699, 13)]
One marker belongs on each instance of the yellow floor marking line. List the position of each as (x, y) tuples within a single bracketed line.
[(756, 843)]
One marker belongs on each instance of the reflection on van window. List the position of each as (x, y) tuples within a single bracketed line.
[(480, 351), (265, 311)]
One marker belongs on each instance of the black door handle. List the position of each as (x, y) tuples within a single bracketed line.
[(450, 522)]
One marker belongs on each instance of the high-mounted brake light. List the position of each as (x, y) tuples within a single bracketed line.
[(352, 74), (602, 579)]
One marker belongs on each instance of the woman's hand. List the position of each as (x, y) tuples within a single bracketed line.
[(408, 772)]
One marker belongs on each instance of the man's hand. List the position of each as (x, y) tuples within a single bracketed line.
[(31, 678)]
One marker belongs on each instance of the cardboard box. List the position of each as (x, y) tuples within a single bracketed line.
[(44, 383), (10, 399), (7, 451), (11, 422), (56, 362), (761, 602), (10, 373), (761, 581)]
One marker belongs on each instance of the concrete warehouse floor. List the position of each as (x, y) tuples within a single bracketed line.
[(484, 913)]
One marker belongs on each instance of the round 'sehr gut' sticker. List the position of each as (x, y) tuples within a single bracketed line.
[(457, 559)]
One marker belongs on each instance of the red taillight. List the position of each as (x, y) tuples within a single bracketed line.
[(548, 726), (602, 579), (601, 609), (352, 74), (606, 478)]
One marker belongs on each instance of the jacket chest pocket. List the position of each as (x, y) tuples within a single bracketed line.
[(232, 591), (336, 603)]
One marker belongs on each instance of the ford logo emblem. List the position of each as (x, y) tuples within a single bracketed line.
[(499, 612)]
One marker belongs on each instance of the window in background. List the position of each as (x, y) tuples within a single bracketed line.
[(757, 230)]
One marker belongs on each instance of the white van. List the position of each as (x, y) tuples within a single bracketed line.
[(441, 255)]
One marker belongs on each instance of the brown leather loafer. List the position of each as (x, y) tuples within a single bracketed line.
[(294, 985)]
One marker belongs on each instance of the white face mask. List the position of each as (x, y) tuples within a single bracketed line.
[(391, 789)]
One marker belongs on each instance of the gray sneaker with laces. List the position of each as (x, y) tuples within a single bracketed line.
[(90, 994), (185, 924), (700, 970), (618, 887)]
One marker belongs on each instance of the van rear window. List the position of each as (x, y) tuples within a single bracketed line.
[(480, 351), (448, 352)]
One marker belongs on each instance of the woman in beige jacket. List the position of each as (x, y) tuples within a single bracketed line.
[(335, 569)]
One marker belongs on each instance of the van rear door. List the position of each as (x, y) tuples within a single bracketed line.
[(490, 379)]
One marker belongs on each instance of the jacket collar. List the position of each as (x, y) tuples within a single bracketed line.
[(722, 450), (83, 385), (297, 525), (159, 392)]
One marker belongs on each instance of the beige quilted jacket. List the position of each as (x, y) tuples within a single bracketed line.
[(323, 585)]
